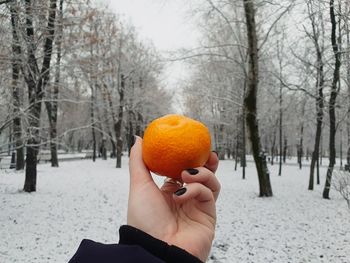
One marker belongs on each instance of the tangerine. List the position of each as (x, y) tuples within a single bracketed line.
[(174, 143)]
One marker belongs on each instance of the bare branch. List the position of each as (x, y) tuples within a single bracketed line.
[(273, 25), (5, 2)]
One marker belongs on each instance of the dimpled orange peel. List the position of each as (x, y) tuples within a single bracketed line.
[(174, 143)]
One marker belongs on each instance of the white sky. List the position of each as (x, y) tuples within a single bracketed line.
[(168, 24), (165, 22)]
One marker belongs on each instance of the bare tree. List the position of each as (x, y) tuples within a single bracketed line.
[(341, 183), (16, 66), (250, 101), (36, 80), (347, 29), (316, 36), (52, 106), (332, 100)]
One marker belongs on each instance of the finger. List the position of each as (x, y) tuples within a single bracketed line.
[(213, 162), (171, 185), (199, 193), (139, 174), (203, 176)]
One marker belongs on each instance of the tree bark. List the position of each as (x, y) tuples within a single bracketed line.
[(139, 123), (36, 81), (243, 153), (273, 147), (107, 97), (319, 99), (119, 124), (250, 102), (103, 149), (92, 118), (237, 147), (348, 84), (301, 138), (52, 106), (139, 131), (285, 148), (130, 133), (17, 53), (315, 153), (280, 131), (332, 103)]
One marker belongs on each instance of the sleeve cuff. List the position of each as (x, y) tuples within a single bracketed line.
[(132, 236)]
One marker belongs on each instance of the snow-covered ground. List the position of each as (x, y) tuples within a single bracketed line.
[(82, 199)]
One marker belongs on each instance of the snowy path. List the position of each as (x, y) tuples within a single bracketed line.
[(85, 200)]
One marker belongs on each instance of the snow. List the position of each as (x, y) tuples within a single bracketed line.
[(82, 199)]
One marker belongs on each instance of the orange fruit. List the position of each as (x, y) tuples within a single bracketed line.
[(174, 143)]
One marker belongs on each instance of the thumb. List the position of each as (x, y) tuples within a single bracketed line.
[(139, 174)]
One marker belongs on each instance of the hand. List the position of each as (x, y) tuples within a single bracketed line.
[(186, 219)]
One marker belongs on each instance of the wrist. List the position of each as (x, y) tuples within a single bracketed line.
[(169, 253)]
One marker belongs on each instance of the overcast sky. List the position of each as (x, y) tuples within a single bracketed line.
[(166, 23), (169, 25)]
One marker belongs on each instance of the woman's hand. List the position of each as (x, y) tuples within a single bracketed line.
[(184, 216)]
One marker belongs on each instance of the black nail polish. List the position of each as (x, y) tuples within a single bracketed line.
[(181, 191), (217, 154), (133, 140), (192, 171)]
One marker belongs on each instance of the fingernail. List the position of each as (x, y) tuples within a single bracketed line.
[(133, 140), (181, 191), (192, 171), (217, 154)]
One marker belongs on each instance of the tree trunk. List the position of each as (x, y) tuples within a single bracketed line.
[(341, 148), (300, 146), (119, 124), (31, 161), (139, 124), (243, 155), (103, 149), (318, 170), (319, 108), (52, 106), (36, 82), (17, 53), (348, 83), (250, 103), (332, 103), (32, 147), (130, 133), (93, 125), (299, 153), (237, 142), (107, 97), (285, 148), (221, 149), (280, 136), (9, 144), (113, 152), (273, 147)]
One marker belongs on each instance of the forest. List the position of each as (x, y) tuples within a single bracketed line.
[(270, 78)]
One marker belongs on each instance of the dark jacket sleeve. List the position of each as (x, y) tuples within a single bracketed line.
[(134, 246)]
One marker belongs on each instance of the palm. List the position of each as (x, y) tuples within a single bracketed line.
[(178, 224)]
